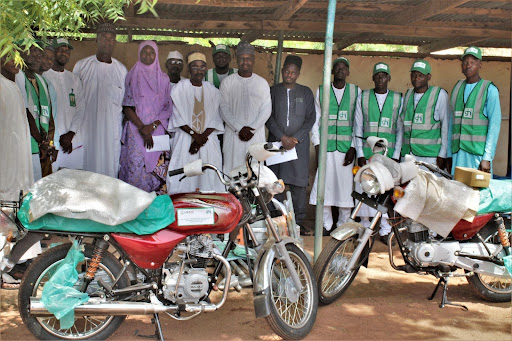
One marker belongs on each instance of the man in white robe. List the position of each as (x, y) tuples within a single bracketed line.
[(103, 83), (245, 107), (339, 159), (68, 87), (196, 123), (174, 66)]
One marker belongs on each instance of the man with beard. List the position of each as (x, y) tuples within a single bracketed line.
[(40, 111), (70, 104), (196, 122), (103, 90), (476, 119), (291, 120), (425, 116), (221, 59), (174, 65), (245, 107), (378, 114), (340, 145)]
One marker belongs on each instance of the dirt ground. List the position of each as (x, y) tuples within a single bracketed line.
[(381, 304)]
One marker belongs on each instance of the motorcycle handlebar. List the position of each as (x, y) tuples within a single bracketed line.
[(176, 172), (435, 169)]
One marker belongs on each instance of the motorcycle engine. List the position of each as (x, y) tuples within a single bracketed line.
[(193, 282)]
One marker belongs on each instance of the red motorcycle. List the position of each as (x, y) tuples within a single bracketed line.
[(175, 269)]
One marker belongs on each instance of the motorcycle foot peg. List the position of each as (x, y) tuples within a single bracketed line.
[(406, 268), (104, 285)]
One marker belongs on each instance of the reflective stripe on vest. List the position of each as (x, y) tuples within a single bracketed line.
[(421, 134), (469, 130), (380, 123), (341, 118)]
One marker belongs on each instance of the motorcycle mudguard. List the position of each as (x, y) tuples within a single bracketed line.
[(23, 245), (262, 279), (349, 229)]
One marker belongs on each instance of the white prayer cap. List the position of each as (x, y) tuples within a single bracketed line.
[(175, 55)]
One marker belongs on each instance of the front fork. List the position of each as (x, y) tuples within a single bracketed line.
[(280, 245)]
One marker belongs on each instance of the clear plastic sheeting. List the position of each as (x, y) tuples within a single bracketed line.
[(496, 198), (85, 195), (59, 296), (437, 203), (154, 218)]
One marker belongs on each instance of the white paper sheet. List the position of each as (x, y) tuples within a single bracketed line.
[(289, 155), (160, 143)]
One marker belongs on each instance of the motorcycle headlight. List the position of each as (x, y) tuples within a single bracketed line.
[(275, 187), (369, 182)]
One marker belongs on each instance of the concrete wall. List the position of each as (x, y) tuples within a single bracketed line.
[(444, 73)]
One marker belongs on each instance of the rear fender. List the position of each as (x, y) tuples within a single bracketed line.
[(262, 278)]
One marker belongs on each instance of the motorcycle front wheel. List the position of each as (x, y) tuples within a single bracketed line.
[(292, 312), (85, 327), (329, 269), (492, 288)]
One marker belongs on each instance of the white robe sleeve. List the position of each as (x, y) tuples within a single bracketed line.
[(441, 114), (358, 126), (315, 131), (399, 133), (227, 91)]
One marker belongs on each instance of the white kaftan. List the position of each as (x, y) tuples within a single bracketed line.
[(103, 86), (70, 116), (183, 96), (244, 102), (15, 150)]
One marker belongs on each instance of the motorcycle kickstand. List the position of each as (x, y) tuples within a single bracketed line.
[(443, 281), (158, 330)]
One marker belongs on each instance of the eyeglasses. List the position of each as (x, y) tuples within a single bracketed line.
[(177, 62), (196, 68)]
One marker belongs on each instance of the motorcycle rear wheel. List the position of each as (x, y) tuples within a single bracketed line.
[(332, 283), (292, 313), (85, 327), (491, 288)]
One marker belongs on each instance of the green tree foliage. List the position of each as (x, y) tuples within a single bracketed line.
[(24, 21)]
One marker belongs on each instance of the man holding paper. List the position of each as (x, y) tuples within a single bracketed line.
[(196, 123), (293, 115)]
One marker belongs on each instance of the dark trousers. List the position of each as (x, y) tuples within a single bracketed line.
[(299, 198)]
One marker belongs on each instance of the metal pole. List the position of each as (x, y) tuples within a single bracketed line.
[(509, 165), (278, 58), (331, 12)]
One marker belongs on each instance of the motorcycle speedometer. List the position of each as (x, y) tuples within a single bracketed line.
[(369, 182)]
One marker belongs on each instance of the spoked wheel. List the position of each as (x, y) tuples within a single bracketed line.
[(492, 288), (292, 312), (329, 269), (85, 327)]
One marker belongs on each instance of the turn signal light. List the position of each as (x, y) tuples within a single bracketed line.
[(355, 169), (398, 192)]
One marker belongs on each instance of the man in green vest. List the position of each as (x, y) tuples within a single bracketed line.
[(340, 144), (426, 117), (378, 114), (476, 119), (221, 58)]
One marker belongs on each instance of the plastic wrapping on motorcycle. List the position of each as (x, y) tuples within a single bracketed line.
[(237, 253), (437, 203), (496, 198), (59, 296), (154, 218), (85, 195)]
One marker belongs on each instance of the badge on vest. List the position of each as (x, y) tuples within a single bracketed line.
[(343, 115), (418, 118), (458, 114), (332, 117), (385, 122), (374, 124), (45, 111), (468, 113), (72, 102)]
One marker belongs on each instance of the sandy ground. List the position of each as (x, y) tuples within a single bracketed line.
[(381, 304)]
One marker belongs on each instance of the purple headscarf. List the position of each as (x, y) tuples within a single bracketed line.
[(148, 90)]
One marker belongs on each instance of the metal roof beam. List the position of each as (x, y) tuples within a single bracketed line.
[(444, 44), (252, 35), (350, 39)]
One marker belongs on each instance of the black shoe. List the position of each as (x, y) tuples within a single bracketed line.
[(326, 233), (304, 232)]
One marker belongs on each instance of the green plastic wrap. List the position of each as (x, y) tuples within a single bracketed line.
[(508, 263), (496, 198), (154, 218), (237, 253), (59, 296)]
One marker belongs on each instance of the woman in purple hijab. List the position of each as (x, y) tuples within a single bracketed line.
[(147, 107)]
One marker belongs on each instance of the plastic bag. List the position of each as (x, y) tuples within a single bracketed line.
[(59, 296), (496, 198), (237, 253)]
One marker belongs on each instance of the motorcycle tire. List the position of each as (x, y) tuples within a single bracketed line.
[(331, 283), (292, 314), (85, 327), (491, 288)]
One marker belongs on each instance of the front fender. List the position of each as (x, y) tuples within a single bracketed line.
[(347, 230), (262, 277)]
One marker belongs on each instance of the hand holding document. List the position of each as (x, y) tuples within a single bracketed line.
[(160, 143), (286, 156)]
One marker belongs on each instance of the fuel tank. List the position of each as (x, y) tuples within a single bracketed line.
[(465, 230)]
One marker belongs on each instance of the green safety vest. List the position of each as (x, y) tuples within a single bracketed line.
[(469, 130), (212, 77), (377, 123), (422, 135), (341, 118), (39, 106)]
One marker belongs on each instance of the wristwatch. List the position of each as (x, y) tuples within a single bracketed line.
[(155, 126)]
